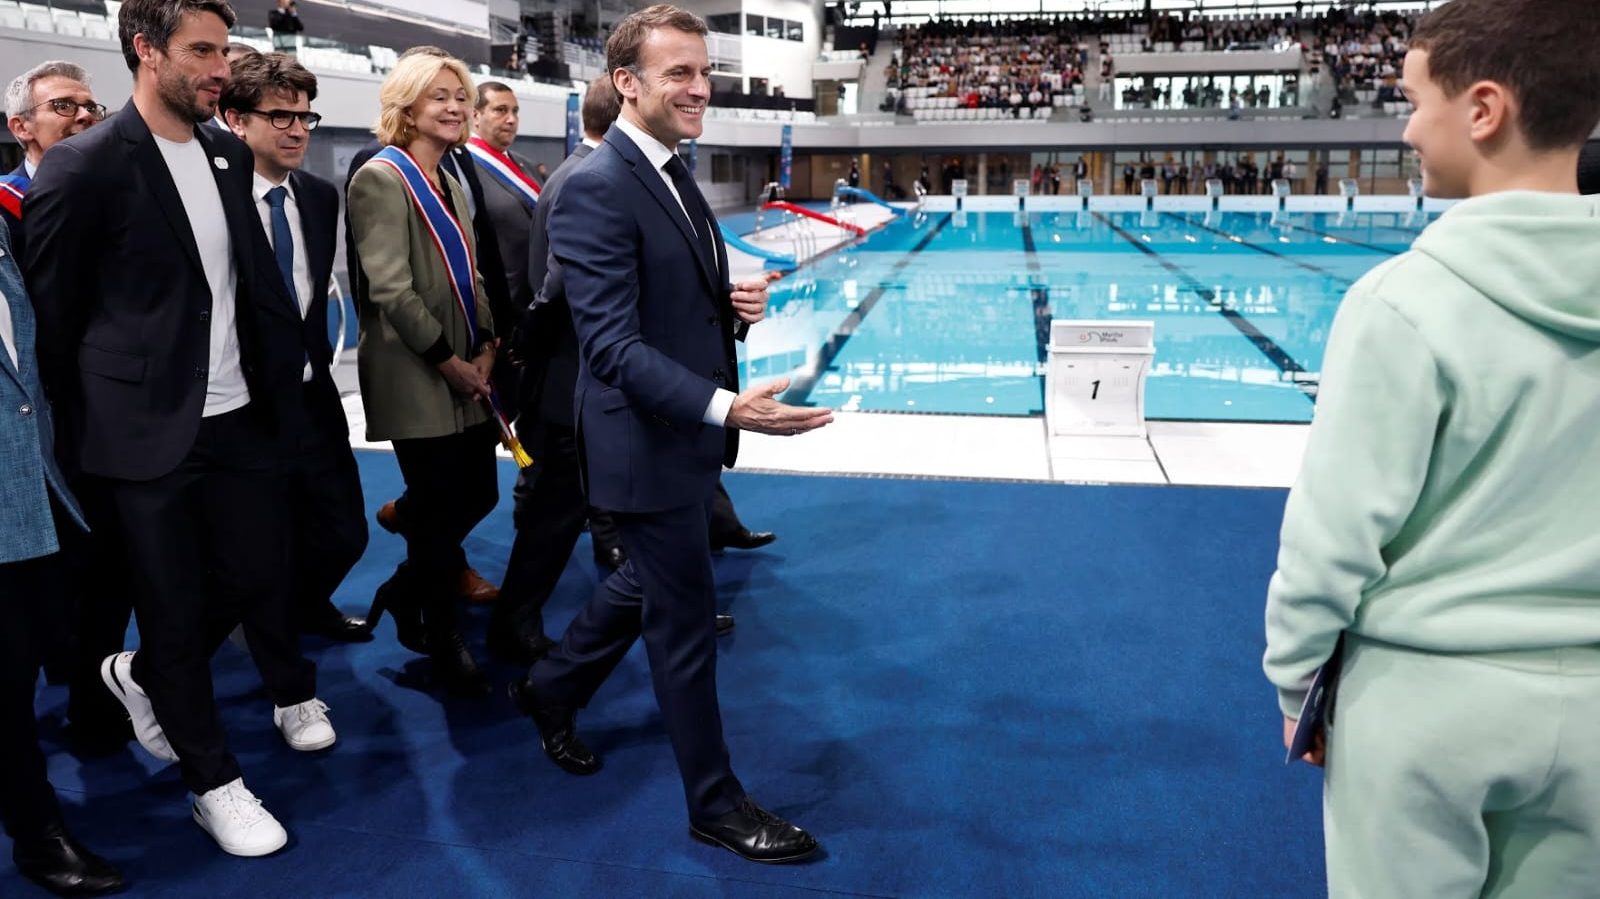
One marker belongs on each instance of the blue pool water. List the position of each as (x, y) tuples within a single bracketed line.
[(949, 312)]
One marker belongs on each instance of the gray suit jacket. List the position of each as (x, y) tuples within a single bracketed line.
[(511, 217), (29, 475)]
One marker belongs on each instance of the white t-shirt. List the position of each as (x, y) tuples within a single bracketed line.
[(202, 203), (8, 333)]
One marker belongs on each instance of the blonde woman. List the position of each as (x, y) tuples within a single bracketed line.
[(427, 349)]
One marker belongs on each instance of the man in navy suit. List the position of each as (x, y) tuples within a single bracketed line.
[(267, 104), (657, 419)]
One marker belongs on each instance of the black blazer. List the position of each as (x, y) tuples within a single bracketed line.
[(318, 200), (490, 264), (124, 308), (547, 340), (655, 330)]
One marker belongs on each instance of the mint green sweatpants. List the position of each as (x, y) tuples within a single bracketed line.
[(1458, 776)]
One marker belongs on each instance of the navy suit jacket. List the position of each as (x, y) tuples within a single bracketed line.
[(319, 205), (124, 308), (655, 330), (548, 341)]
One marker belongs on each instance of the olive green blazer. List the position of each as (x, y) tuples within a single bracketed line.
[(412, 306)]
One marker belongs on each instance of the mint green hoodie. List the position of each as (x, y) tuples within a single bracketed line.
[(1450, 495)]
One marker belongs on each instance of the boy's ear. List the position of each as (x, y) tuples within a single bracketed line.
[(1493, 109)]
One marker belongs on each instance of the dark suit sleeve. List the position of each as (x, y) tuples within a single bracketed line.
[(62, 212), (595, 239)]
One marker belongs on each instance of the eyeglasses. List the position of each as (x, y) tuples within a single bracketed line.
[(281, 119), (68, 108)]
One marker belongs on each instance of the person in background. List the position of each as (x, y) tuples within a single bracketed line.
[(45, 105), (39, 508), (284, 20), (427, 351), (1440, 543), (267, 104)]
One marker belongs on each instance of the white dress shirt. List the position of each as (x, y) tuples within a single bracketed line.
[(659, 155), (8, 332), (302, 269), (29, 169)]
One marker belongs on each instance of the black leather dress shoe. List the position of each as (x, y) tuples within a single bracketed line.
[(613, 557), (453, 665), (744, 538), (755, 834), (61, 865), (558, 733), (521, 649), (335, 625), (724, 625)]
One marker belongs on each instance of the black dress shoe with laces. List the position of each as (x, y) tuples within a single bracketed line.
[(61, 865), (558, 733), (614, 557), (743, 538), (335, 625), (724, 625), (755, 834)]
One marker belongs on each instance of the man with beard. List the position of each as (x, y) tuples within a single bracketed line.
[(174, 364)]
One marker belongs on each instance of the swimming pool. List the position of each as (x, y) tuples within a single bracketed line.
[(948, 312)]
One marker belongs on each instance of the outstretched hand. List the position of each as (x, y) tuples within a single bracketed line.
[(758, 409)]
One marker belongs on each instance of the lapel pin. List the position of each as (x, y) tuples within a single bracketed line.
[(220, 163)]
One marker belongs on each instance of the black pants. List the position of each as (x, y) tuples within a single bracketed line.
[(27, 801), (451, 485), (95, 570), (666, 594), (327, 515), (207, 546), (549, 514)]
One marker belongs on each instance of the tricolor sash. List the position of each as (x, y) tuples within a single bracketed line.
[(12, 189), (451, 242), (502, 168)]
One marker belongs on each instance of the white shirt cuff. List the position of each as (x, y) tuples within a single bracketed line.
[(717, 410)]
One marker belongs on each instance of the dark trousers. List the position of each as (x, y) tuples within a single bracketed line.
[(327, 515), (665, 593), (94, 566), (451, 485), (549, 514), (27, 802), (207, 546)]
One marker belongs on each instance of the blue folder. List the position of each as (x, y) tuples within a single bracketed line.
[(1314, 712)]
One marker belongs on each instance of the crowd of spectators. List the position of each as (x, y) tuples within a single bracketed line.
[(1008, 64)]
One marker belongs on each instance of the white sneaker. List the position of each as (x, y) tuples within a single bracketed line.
[(235, 819), (305, 726), (117, 672)]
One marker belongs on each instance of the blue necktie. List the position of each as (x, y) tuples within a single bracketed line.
[(283, 241)]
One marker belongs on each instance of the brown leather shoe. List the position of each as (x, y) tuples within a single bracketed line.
[(389, 517), (475, 588)]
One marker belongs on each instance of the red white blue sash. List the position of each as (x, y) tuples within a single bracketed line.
[(12, 190), (502, 168), (446, 232)]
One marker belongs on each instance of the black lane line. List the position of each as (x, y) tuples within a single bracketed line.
[(799, 392), (1354, 243), (1266, 345), (1039, 293), (1234, 238)]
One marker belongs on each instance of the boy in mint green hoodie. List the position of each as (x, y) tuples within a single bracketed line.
[(1447, 515)]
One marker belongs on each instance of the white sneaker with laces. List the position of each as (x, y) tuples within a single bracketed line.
[(117, 672), (233, 816), (305, 726)]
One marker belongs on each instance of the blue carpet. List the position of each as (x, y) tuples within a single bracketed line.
[(963, 688)]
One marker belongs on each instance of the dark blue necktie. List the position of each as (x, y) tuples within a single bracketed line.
[(283, 241)]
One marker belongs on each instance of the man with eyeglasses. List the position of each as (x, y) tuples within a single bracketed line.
[(44, 105), (267, 104)]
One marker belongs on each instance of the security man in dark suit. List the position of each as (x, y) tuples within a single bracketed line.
[(491, 267), (657, 419), (267, 104)]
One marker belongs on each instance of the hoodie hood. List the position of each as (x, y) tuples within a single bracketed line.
[(1536, 254)]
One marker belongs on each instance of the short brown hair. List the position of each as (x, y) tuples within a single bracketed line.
[(601, 106), (1543, 51), (157, 20), (629, 35), (485, 87), (258, 74)]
